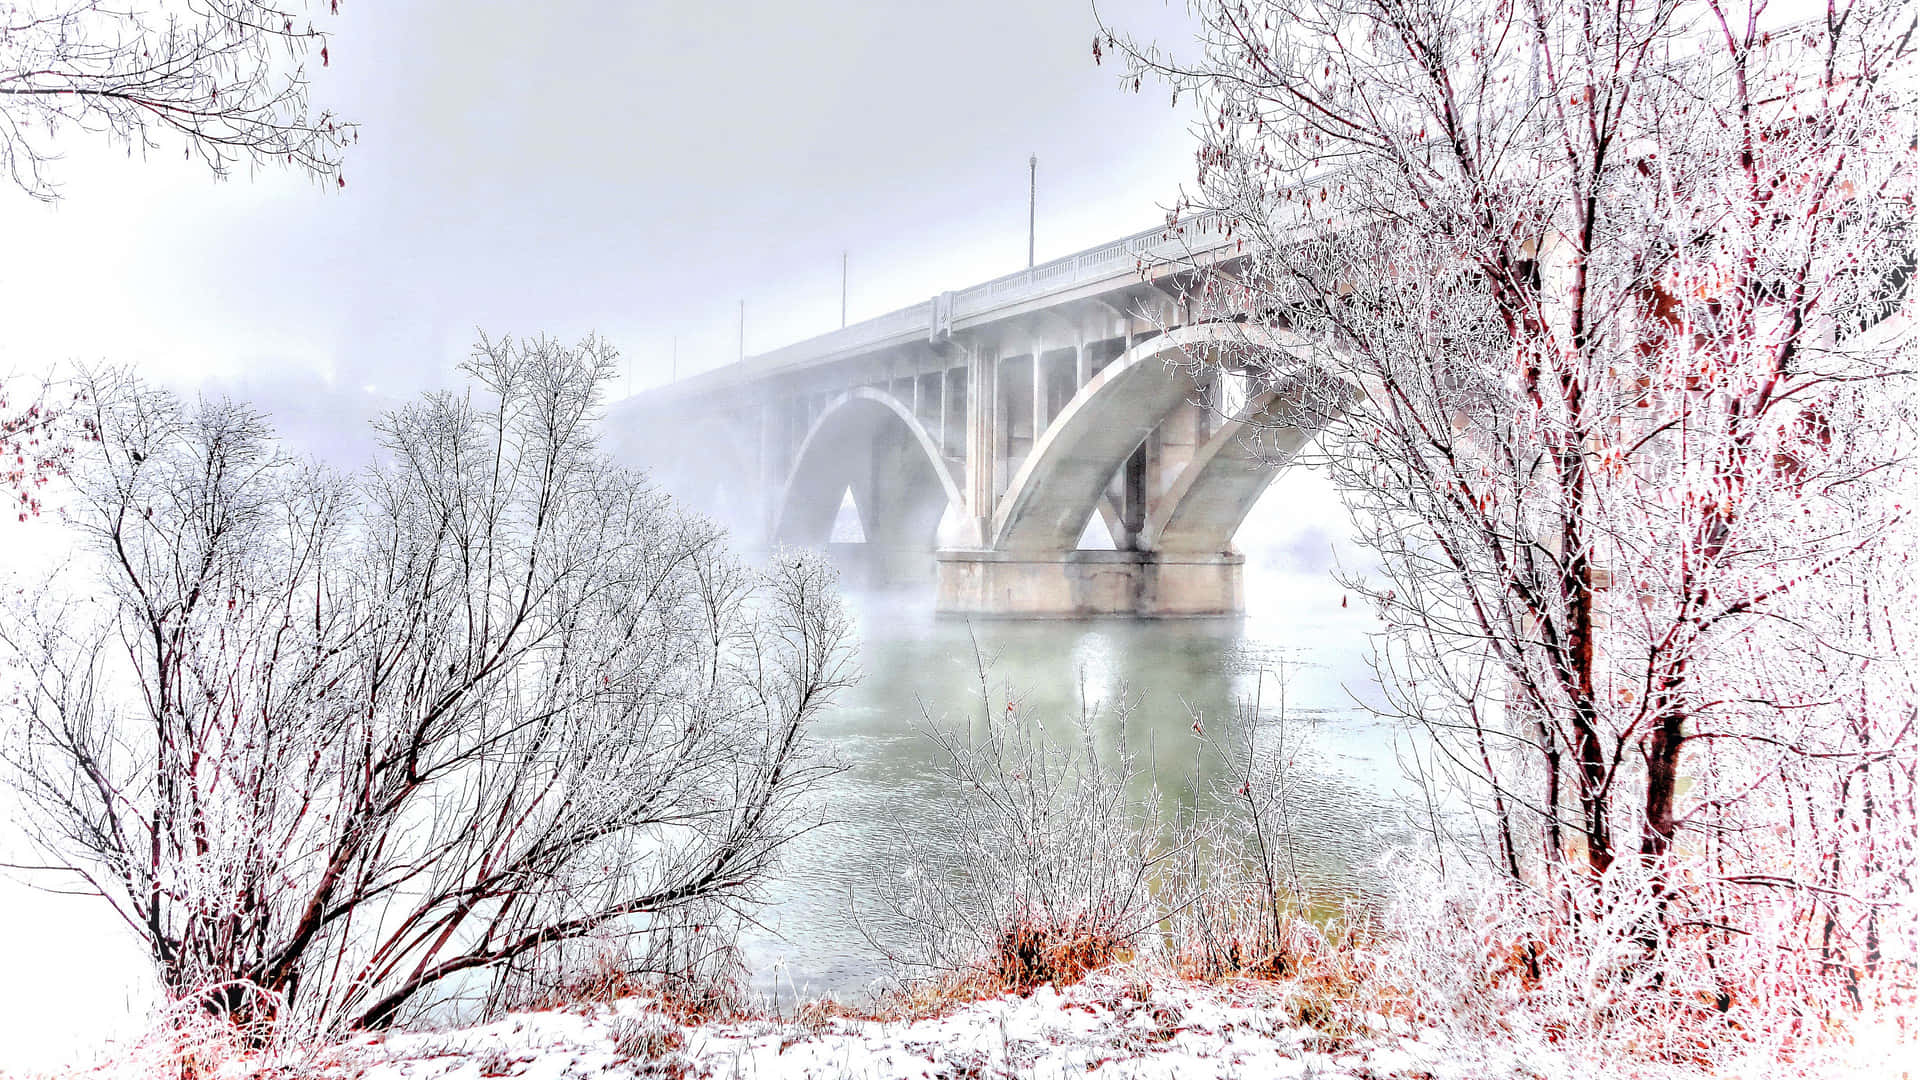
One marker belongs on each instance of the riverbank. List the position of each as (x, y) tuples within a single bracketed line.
[(1125, 1021)]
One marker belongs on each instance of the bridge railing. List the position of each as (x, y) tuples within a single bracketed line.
[(852, 336), (1151, 248)]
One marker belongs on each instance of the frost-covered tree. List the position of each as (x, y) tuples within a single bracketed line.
[(35, 446), (335, 748), (224, 79), (1609, 303)]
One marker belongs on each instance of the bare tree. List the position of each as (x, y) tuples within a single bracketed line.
[(335, 748), (36, 443), (227, 78), (1613, 286)]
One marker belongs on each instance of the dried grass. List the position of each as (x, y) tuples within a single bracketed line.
[(694, 976), (1035, 951), (1325, 957), (647, 1037), (603, 977)]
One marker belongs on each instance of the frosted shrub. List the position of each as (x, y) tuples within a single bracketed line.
[(1591, 970), (1054, 864)]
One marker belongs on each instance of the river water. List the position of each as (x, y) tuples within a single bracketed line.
[(1346, 782)]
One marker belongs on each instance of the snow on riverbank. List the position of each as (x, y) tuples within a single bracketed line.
[(1118, 1023), (1115, 1024)]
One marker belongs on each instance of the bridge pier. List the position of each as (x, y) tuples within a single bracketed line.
[(1068, 584)]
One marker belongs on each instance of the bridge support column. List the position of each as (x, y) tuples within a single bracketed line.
[(1080, 583), (983, 405)]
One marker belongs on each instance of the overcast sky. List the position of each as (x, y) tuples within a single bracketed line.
[(632, 169)]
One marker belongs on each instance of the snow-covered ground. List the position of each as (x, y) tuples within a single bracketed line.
[(1122, 1022)]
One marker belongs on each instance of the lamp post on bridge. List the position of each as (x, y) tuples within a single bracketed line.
[(1033, 177)]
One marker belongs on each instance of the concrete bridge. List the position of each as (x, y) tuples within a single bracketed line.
[(1060, 441)]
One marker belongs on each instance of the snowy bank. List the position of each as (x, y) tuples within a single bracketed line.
[(1121, 1022)]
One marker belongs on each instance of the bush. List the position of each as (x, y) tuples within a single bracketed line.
[(1056, 861), (1594, 969)]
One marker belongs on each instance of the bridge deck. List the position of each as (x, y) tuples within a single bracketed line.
[(1098, 269)]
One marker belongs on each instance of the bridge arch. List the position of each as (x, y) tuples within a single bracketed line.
[(871, 443), (1062, 482), (1219, 487)]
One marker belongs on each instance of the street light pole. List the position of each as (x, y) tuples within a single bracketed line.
[(1033, 176)]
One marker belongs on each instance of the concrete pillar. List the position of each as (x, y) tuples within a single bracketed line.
[(1039, 393), (982, 445), (1133, 496), (1215, 388), (953, 412)]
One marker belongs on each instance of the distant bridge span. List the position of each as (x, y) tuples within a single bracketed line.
[(981, 432)]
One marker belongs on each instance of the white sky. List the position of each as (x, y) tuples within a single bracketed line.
[(632, 171)]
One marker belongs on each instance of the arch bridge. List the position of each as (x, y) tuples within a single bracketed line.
[(1063, 441)]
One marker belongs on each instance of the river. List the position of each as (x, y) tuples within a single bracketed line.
[(918, 668)]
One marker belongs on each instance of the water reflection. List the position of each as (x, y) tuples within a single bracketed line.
[(824, 929)]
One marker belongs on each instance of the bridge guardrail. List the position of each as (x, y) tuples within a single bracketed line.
[(1148, 248)]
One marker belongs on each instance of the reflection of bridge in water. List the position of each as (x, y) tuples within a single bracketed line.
[(1039, 444)]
